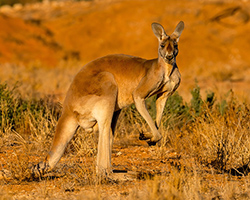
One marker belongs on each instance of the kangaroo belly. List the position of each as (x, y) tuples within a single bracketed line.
[(124, 99)]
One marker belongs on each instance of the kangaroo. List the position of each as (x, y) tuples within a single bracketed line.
[(106, 85)]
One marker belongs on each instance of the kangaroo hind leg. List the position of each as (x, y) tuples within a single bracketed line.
[(104, 114), (65, 129)]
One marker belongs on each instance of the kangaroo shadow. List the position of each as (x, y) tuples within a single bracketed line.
[(240, 171)]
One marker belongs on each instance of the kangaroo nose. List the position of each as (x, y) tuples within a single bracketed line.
[(169, 56)]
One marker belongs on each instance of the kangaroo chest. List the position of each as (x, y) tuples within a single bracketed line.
[(171, 81)]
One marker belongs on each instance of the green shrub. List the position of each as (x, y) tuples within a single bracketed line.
[(176, 112), (14, 109)]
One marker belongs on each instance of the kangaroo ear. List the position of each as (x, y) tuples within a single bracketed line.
[(178, 30), (158, 31)]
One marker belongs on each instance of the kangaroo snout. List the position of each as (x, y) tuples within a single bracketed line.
[(169, 56)]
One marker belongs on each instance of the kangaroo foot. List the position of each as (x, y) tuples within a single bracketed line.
[(154, 140)]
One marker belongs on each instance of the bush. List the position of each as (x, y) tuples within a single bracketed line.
[(14, 109), (218, 135)]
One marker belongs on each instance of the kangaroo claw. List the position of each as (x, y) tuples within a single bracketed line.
[(145, 136), (39, 169)]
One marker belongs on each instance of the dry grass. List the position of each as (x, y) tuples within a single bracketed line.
[(204, 152), (37, 81)]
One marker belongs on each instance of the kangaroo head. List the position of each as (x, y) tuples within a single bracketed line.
[(168, 44)]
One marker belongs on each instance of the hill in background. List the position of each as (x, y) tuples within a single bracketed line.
[(213, 48)]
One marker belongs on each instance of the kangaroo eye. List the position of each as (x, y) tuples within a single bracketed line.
[(162, 45)]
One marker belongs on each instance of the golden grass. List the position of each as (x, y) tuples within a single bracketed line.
[(36, 81), (204, 153)]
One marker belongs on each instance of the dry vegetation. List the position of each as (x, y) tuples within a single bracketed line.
[(204, 153), (213, 48), (205, 150)]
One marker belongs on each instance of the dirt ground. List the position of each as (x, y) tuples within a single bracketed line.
[(144, 173), (131, 157)]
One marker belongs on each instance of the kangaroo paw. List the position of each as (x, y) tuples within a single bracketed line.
[(145, 136), (152, 141)]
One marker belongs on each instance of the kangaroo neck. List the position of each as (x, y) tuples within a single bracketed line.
[(167, 67)]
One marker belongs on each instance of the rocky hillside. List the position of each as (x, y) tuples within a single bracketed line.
[(214, 47)]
